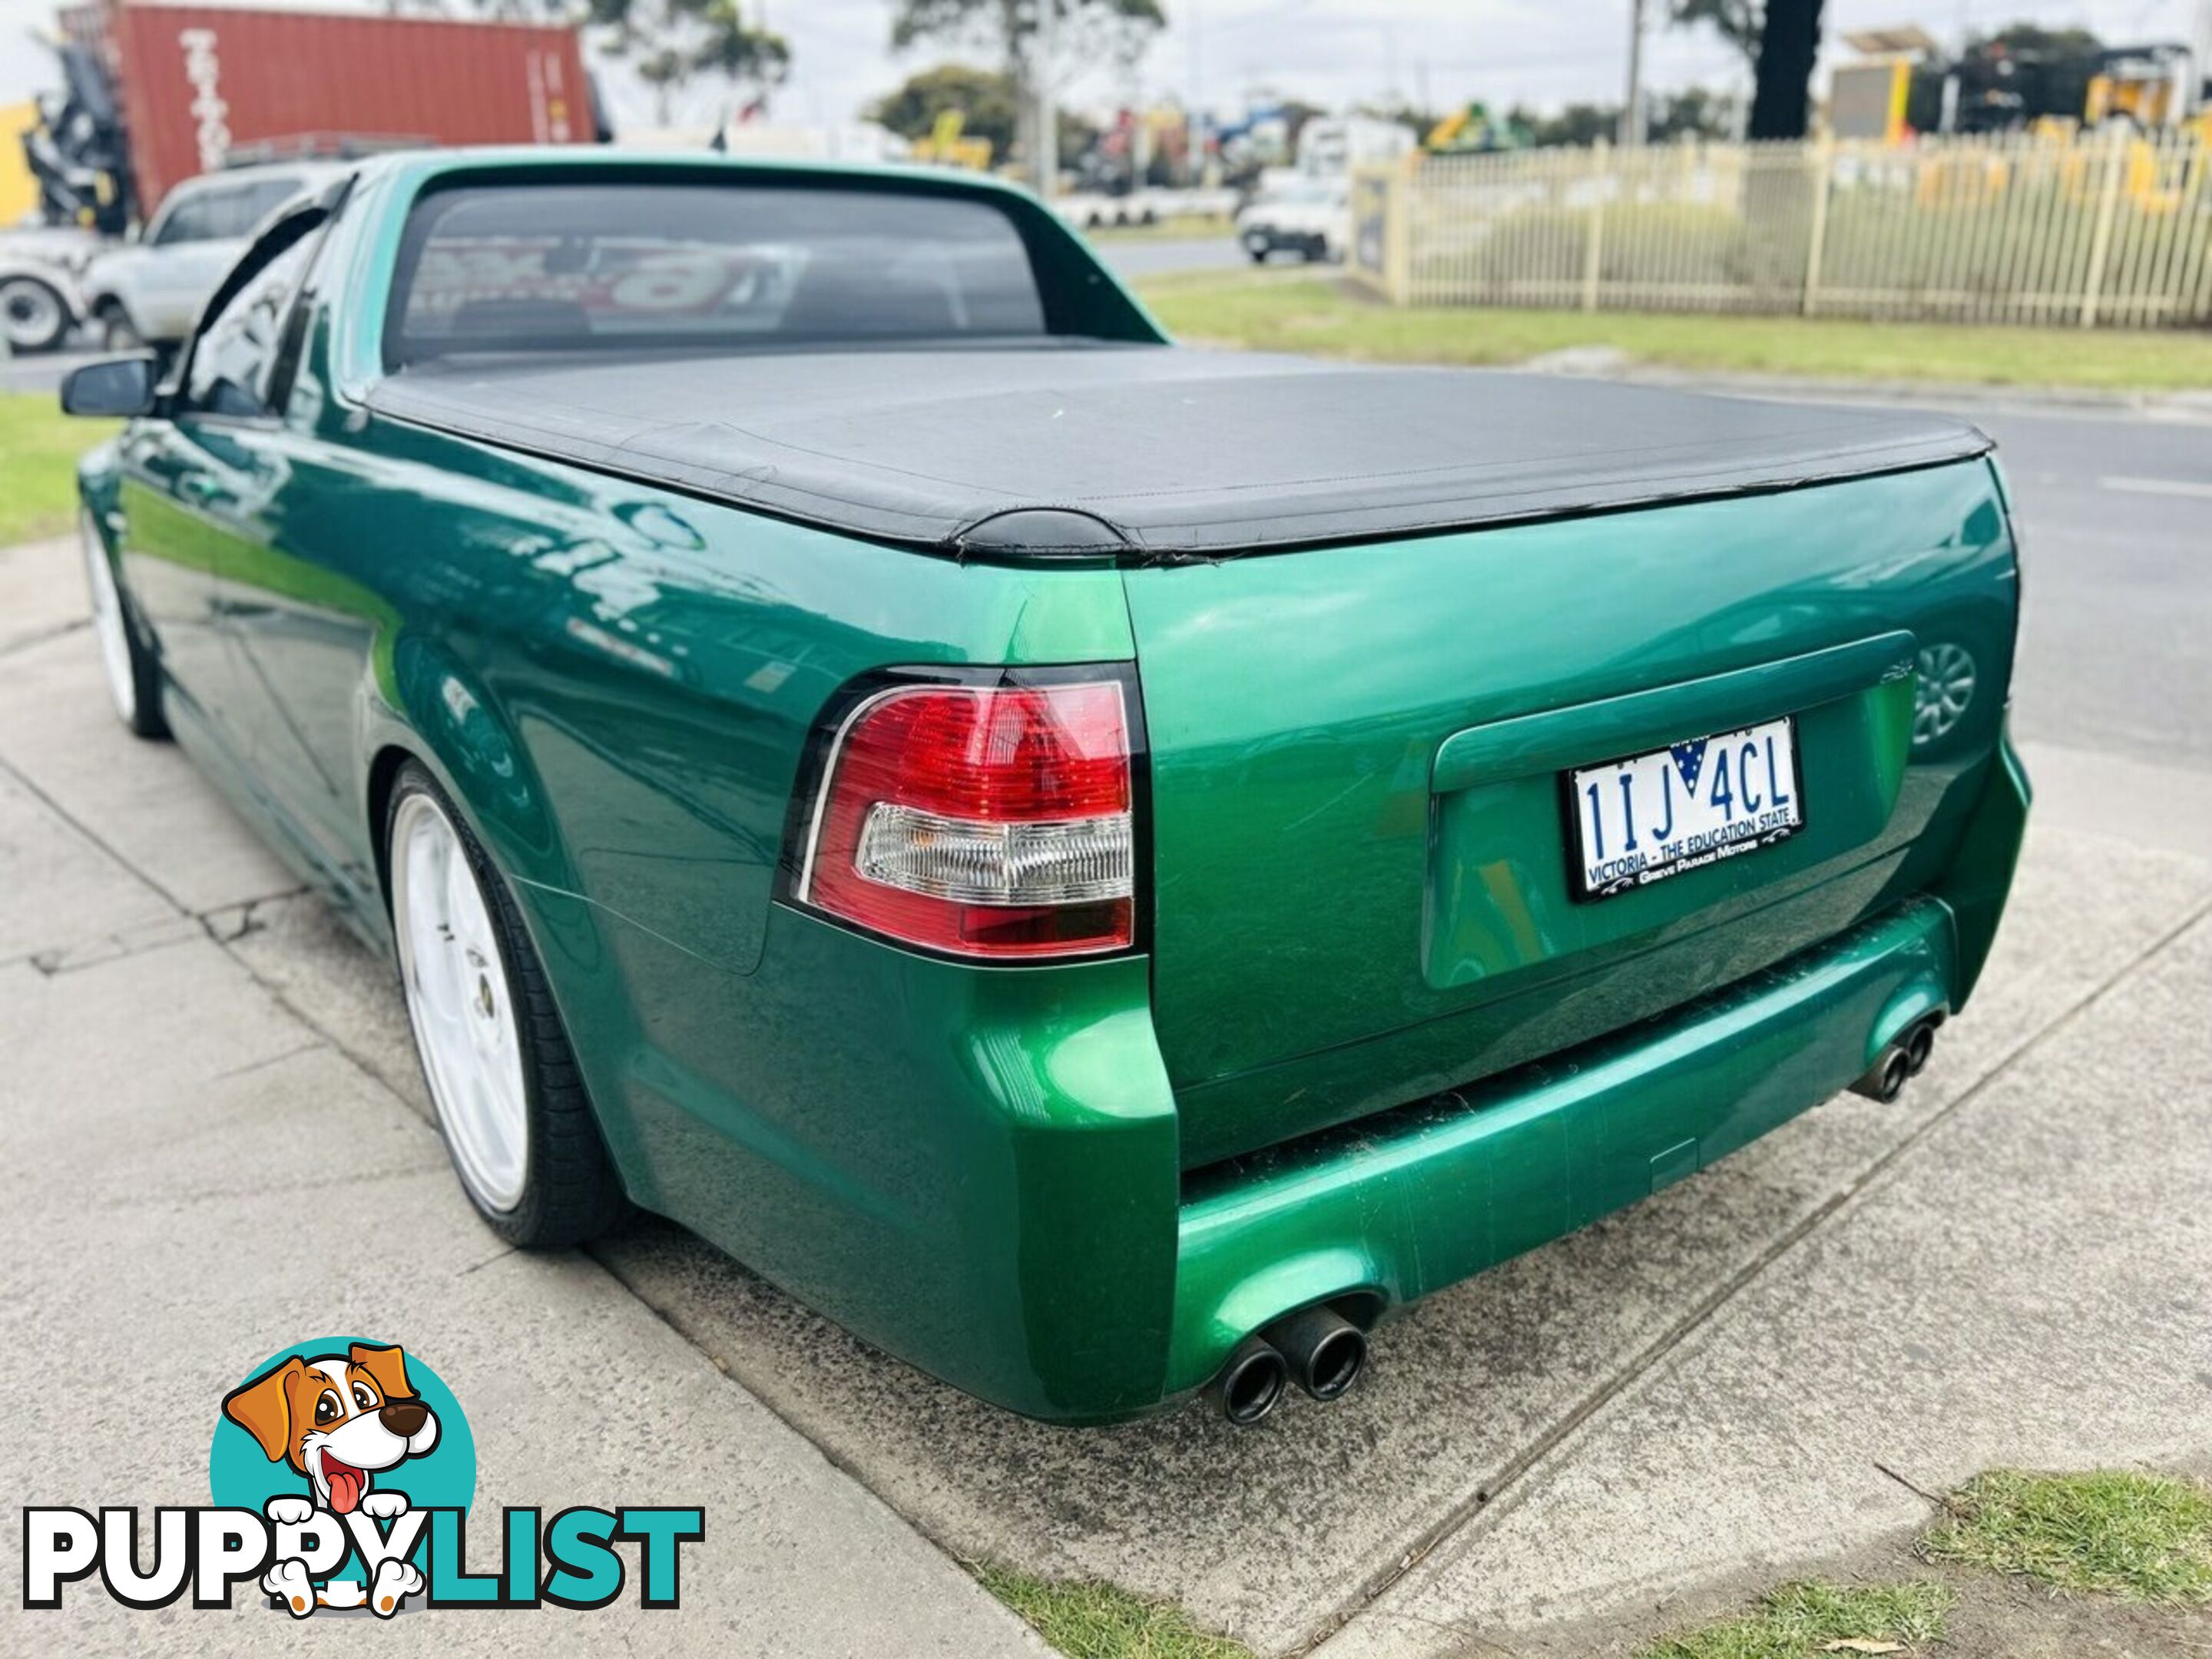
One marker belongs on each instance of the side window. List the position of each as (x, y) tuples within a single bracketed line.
[(188, 219), (238, 210), (235, 356), (214, 211)]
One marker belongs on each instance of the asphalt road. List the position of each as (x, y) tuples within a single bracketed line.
[(2116, 526), (42, 373), (2114, 508), (1144, 256)]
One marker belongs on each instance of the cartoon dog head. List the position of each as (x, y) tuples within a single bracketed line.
[(338, 1419)]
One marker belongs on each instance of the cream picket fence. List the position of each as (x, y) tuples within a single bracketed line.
[(2107, 228)]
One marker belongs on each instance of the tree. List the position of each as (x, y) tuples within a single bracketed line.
[(1781, 95), (1085, 32), (987, 99), (1088, 31), (1577, 124), (1693, 112), (1779, 41), (670, 42), (1737, 21)]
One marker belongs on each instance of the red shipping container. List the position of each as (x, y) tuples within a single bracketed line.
[(198, 81)]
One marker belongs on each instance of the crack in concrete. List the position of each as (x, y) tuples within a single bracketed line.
[(37, 636), (229, 923), (734, 1373), (496, 1257), (1510, 1480), (53, 960), (260, 1189), (251, 1066), (37, 790)]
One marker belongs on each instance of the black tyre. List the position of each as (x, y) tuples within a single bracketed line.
[(116, 331), (511, 1101), (33, 316)]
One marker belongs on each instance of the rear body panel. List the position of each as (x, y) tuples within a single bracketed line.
[(1363, 891)]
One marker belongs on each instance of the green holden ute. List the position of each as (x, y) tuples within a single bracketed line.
[(1106, 868)]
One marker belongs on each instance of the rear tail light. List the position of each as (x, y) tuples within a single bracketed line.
[(982, 820)]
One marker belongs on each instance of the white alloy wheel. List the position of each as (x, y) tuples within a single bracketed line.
[(108, 626), (460, 1002)]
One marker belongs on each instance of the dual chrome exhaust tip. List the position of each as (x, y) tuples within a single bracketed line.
[(1902, 1059), (1318, 1348)]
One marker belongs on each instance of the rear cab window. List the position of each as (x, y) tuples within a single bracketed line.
[(567, 267)]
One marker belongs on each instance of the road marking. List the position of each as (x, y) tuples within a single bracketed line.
[(2158, 486)]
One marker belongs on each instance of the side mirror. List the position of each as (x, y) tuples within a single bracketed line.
[(117, 387)]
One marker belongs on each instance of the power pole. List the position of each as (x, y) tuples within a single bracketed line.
[(1631, 108), (1199, 128), (2200, 66), (1048, 118)]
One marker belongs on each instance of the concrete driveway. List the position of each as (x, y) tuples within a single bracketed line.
[(2010, 1264)]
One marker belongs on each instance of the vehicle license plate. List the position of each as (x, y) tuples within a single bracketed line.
[(1692, 804)]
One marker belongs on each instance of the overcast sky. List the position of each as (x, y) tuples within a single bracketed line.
[(1331, 53)]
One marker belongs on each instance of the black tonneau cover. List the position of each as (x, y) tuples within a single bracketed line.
[(1169, 452)]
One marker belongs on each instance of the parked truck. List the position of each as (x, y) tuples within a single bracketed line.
[(198, 82), (156, 95)]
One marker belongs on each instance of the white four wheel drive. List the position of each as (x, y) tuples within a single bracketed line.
[(151, 291)]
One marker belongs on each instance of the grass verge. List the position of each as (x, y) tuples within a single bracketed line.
[(38, 448), (2112, 1532), (1091, 1620), (1808, 1620), (1319, 315)]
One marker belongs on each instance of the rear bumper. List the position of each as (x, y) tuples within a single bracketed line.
[(1395, 1208), (1402, 1204), (980, 1171)]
